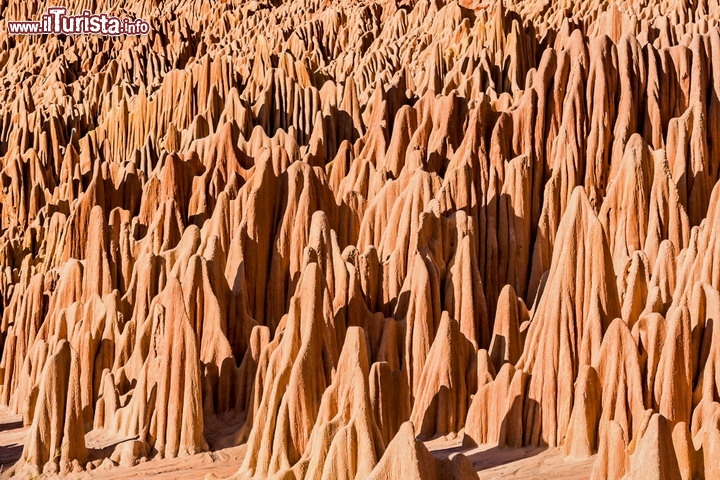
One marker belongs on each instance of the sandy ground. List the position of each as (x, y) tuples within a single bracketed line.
[(12, 437), (491, 462), (222, 463)]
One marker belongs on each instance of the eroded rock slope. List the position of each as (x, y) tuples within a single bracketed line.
[(344, 228)]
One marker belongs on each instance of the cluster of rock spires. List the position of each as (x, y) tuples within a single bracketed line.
[(349, 228)]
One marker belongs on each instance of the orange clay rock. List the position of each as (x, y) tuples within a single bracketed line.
[(57, 417), (342, 236), (345, 442), (407, 457), (566, 330), (160, 383), (298, 371)]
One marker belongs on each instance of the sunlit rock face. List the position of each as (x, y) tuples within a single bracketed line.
[(337, 232)]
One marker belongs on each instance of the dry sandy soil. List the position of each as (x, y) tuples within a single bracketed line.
[(491, 462)]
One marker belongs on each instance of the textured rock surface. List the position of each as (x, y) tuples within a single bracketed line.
[(366, 239)]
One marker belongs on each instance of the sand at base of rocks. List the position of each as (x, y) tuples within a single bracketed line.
[(489, 461)]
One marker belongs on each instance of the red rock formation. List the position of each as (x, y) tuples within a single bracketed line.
[(342, 234)]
